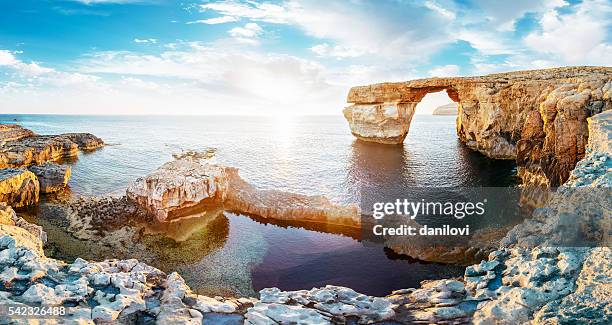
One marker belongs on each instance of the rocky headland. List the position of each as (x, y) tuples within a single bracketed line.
[(450, 109), (20, 147), (27, 165), (538, 117)]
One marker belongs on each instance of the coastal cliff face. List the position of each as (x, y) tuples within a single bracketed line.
[(537, 117), (18, 187)]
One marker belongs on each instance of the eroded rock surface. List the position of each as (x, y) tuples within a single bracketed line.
[(331, 304), (11, 132), (245, 198), (51, 176), (10, 218), (179, 185), (23, 148), (536, 117), (183, 185), (18, 187), (579, 213), (513, 285), (448, 249)]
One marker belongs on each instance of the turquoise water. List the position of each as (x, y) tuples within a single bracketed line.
[(311, 155)]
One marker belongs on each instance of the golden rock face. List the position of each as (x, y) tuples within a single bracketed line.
[(18, 187), (537, 117), (20, 147)]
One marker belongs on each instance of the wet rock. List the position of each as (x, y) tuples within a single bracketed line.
[(51, 176), (18, 187)]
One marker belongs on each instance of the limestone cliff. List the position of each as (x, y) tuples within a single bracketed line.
[(537, 117)]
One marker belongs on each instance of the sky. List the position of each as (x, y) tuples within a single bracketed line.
[(285, 57)]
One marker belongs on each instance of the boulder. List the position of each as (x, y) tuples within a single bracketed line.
[(179, 185), (85, 141), (51, 176), (18, 187)]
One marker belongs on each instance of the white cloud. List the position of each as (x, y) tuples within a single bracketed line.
[(249, 30), (216, 20), (31, 76), (266, 12), (450, 70), (487, 42), (580, 37), (7, 58), (216, 75), (248, 34), (33, 69), (336, 51), (145, 40), (393, 30), (502, 15), (440, 10), (139, 83)]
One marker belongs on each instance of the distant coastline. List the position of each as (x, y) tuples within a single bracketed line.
[(449, 109)]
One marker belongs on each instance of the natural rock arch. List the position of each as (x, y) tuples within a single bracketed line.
[(537, 117)]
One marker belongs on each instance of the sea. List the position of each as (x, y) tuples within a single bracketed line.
[(239, 255)]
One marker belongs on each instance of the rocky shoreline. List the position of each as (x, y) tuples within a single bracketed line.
[(528, 278), (536, 117)]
